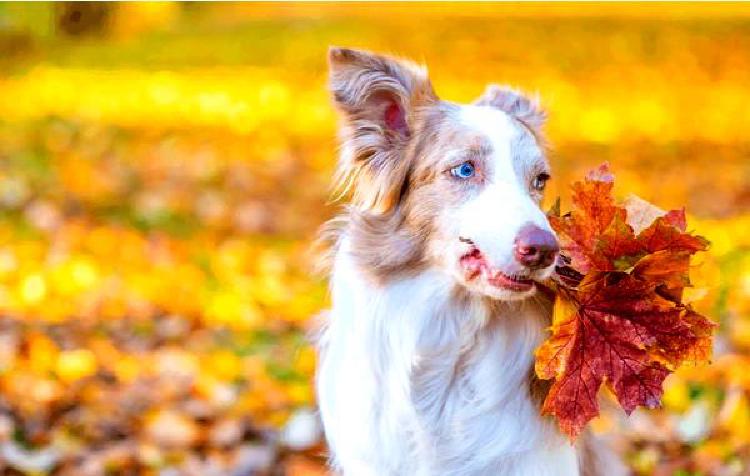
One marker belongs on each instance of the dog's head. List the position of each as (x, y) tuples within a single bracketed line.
[(441, 185)]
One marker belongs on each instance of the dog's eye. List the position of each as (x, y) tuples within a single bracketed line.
[(540, 181), (463, 171)]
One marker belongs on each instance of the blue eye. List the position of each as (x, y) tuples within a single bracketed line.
[(463, 171)]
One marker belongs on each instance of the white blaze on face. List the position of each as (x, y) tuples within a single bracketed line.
[(493, 218)]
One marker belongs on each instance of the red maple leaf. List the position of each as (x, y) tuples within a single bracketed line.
[(619, 319)]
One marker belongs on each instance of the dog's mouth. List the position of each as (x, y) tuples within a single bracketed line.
[(475, 266)]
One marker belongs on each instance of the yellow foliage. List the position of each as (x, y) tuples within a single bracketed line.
[(676, 395), (73, 365), (162, 177), (33, 288)]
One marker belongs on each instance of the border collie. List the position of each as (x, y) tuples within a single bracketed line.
[(426, 361)]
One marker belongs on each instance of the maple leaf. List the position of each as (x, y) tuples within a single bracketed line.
[(618, 320)]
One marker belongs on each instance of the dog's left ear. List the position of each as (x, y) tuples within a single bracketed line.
[(516, 104), (378, 97)]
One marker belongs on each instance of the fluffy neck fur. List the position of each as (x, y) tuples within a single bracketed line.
[(419, 378)]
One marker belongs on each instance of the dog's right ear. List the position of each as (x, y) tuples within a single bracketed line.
[(377, 96)]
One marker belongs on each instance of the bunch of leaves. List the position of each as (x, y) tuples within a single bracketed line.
[(619, 317)]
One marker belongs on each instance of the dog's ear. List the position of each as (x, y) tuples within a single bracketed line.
[(377, 97), (516, 104)]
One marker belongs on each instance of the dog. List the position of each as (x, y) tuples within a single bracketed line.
[(426, 360)]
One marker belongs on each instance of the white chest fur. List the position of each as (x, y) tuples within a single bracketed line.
[(416, 380)]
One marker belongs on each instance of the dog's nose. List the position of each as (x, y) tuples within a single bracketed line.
[(535, 247)]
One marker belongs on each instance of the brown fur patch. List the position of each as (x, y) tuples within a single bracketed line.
[(364, 85), (383, 246), (390, 240)]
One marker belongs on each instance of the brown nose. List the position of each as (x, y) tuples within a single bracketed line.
[(535, 247)]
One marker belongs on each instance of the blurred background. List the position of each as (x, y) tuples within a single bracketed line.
[(164, 168)]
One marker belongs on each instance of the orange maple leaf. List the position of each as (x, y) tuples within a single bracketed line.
[(618, 318)]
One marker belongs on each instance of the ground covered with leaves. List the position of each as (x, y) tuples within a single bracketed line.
[(163, 169)]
